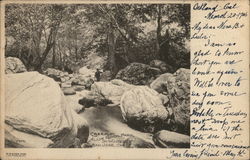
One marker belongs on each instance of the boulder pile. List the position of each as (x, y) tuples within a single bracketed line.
[(177, 88), (72, 82)]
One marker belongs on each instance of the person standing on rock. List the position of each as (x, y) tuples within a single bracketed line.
[(98, 75)]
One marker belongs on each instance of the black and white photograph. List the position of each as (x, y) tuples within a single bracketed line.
[(101, 75)]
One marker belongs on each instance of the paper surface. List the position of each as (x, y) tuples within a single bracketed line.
[(219, 91)]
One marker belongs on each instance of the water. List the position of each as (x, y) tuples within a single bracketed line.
[(108, 129)]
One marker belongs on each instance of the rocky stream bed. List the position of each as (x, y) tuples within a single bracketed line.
[(61, 110)]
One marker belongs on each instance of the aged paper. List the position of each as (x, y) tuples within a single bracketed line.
[(219, 91)]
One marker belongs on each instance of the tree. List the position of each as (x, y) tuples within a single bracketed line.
[(39, 24)]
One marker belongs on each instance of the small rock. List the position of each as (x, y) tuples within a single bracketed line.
[(61, 74), (65, 85), (86, 145), (87, 102), (135, 142), (78, 88), (66, 78), (63, 79), (68, 91), (75, 81)]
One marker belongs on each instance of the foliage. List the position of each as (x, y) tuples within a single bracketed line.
[(63, 36)]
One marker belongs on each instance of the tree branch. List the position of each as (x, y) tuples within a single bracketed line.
[(114, 20)]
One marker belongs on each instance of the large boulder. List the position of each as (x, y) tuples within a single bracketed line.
[(112, 90), (14, 65), (35, 105), (138, 74), (177, 88), (168, 139), (142, 109), (161, 65)]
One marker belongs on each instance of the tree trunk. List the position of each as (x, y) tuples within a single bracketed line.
[(76, 46), (111, 50), (158, 30), (60, 57), (50, 42), (41, 60), (6, 44), (53, 57)]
